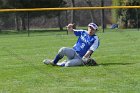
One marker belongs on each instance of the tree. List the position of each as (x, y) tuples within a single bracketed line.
[(73, 12), (3, 16), (125, 17), (21, 17), (91, 11), (115, 12)]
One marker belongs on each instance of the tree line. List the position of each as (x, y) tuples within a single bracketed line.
[(24, 20), (20, 18)]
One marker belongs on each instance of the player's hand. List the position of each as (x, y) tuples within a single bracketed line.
[(70, 27), (84, 59)]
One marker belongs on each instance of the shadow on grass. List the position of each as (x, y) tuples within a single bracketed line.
[(108, 64)]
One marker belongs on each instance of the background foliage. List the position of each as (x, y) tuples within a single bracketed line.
[(21, 21)]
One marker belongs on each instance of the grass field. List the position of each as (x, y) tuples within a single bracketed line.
[(22, 70)]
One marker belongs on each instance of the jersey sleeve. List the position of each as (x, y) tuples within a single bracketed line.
[(95, 45), (78, 32)]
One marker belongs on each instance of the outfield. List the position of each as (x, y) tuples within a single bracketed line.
[(22, 70)]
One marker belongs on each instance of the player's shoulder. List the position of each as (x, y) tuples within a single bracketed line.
[(95, 37)]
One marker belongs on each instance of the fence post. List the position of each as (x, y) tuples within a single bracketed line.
[(28, 25), (67, 20), (102, 15), (137, 15)]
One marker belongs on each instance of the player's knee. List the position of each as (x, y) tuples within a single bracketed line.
[(61, 50)]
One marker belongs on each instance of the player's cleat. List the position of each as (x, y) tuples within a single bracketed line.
[(48, 62)]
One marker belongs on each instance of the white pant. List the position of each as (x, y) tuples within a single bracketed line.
[(73, 59)]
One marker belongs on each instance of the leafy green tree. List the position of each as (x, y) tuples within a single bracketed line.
[(115, 14), (125, 17)]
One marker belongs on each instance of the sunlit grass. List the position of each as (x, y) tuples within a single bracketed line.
[(22, 70)]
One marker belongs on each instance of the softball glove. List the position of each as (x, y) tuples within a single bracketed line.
[(90, 62)]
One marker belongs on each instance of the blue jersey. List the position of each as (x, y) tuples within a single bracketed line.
[(85, 42)]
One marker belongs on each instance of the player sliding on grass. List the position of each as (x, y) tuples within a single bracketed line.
[(80, 54)]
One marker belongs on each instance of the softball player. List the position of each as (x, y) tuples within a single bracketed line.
[(86, 44)]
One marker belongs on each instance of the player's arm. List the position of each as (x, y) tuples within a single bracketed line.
[(88, 54), (72, 28), (92, 49)]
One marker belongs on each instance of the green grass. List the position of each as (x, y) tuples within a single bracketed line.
[(22, 70)]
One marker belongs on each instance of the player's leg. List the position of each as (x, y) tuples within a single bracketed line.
[(62, 64), (74, 62), (64, 51)]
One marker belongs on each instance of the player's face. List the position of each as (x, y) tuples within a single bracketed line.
[(91, 31)]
